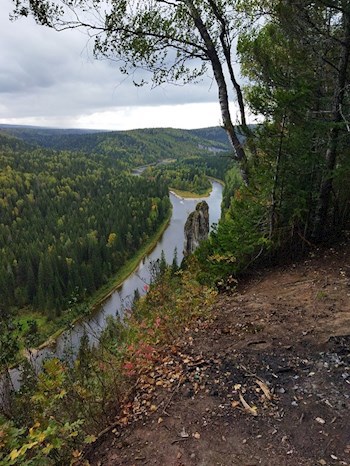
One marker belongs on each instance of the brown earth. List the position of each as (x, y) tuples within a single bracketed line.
[(265, 382)]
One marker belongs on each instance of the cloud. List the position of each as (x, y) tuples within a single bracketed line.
[(52, 77), (181, 116)]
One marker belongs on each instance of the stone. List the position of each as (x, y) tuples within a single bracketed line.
[(196, 227)]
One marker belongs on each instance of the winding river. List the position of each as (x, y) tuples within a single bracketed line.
[(121, 298)]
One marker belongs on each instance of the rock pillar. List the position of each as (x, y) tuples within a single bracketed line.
[(196, 227)]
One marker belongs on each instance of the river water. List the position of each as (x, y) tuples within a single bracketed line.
[(121, 299)]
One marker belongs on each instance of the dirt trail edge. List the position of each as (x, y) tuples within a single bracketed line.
[(265, 382)]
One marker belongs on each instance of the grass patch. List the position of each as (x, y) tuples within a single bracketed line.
[(190, 195), (212, 178)]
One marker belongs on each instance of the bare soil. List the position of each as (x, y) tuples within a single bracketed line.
[(266, 381)]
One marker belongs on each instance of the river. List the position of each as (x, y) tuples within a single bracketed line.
[(68, 342)]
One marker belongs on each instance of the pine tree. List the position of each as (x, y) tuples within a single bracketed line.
[(174, 265)]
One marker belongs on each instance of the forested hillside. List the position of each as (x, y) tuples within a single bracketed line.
[(68, 221), (136, 146), (190, 174)]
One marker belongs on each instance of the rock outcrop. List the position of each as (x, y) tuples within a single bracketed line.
[(196, 227)]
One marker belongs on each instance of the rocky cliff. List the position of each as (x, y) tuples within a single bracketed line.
[(196, 227)]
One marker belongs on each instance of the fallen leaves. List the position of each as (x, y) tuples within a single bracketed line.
[(265, 389), (173, 369), (250, 409)]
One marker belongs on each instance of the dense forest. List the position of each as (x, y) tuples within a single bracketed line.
[(190, 174), (64, 226), (298, 165)]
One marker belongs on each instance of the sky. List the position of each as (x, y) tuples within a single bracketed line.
[(51, 79)]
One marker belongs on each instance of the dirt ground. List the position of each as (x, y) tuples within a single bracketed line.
[(265, 382)]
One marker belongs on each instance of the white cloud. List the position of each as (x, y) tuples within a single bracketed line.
[(175, 116), (51, 79)]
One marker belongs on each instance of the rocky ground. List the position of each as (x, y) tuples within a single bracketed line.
[(265, 382)]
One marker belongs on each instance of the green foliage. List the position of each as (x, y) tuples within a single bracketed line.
[(300, 154), (241, 235), (233, 181), (191, 174), (179, 175), (68, 222), (63, 408), (52, 436), (9, 346)]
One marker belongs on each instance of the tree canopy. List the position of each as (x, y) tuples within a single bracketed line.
[(68, 222)]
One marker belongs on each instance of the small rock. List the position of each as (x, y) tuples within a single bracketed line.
[(183, 433), (320, 420), (281, 390)]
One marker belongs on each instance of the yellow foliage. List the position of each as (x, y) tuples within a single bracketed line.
[(112, 238), (14, 454)]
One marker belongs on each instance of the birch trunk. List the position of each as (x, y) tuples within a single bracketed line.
[(219, 76)]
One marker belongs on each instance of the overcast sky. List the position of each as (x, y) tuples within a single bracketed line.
[(51, 79)]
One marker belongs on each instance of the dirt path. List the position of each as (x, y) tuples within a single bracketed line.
[(265, 382)]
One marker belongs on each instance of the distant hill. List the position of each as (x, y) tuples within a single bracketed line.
[(217, 134), (44, 129), (161, 142), (213, 133), (10, 141)]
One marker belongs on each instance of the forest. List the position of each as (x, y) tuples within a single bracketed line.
[(64, 228), (190, 174), (286, 194)]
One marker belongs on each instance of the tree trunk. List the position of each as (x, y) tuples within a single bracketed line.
[(219, 76), (331, 153), (6, 390), (276, 181)]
